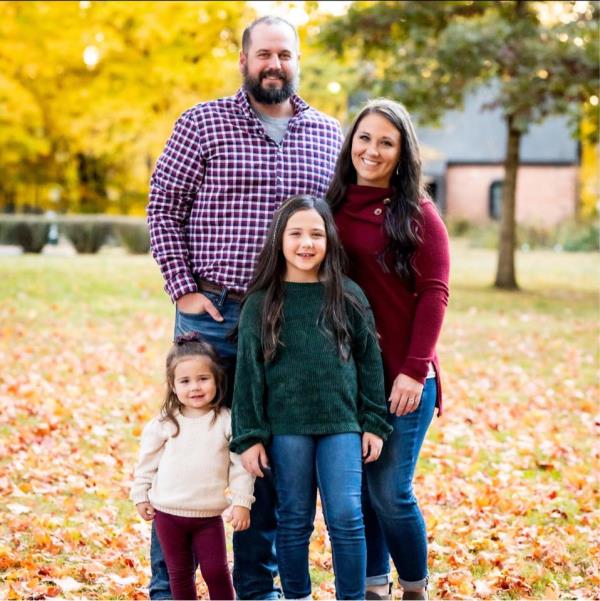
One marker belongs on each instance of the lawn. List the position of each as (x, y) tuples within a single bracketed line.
[(507, 480)]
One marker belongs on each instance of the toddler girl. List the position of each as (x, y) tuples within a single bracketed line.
[(309, 388), (184, 467)]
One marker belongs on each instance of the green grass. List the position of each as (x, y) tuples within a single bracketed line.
[(82, 340), (110, 286)]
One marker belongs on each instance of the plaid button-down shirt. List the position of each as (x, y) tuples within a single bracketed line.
[(219, 180)]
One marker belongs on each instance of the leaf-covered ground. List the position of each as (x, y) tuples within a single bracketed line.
[(508, 477)]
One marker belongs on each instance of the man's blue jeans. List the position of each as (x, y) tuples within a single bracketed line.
[(332, 463), (254, 564), (394, 524)]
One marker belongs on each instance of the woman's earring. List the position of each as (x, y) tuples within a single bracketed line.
[(398, 169)]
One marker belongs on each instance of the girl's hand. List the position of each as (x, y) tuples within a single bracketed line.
[(371, 447), (405, 396), (146, 511), (254, 458), (239, 518)]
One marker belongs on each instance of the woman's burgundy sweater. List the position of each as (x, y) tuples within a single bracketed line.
[(408, 318)]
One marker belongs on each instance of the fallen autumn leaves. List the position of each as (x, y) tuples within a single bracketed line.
[(506, 480)]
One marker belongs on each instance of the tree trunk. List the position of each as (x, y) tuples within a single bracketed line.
[(505, 273)]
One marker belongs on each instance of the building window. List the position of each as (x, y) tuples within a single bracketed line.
[(432, 189), (495, 206)]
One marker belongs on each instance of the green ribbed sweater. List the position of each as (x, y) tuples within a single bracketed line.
[(307, 388)]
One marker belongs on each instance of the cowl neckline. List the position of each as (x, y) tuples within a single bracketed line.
[(359, 196)]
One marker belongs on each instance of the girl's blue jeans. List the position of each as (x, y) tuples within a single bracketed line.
[(394, 524), (333, 464)]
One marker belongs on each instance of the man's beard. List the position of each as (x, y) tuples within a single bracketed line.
[(262, 95)]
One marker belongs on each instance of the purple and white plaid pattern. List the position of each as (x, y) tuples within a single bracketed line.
[(218, 182)]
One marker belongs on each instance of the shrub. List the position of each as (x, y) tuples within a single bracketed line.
[(459, 226), (30, 233), (571, 236), (32, 236), (134, 236), (484, 236), (579, 237), (86, 234)]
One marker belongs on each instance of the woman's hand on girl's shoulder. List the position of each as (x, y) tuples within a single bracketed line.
[(405, 396), (239, 518), (145, 510), (255, 458), (371, 446)]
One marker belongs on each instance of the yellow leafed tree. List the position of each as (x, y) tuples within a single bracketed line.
[(89, 92)]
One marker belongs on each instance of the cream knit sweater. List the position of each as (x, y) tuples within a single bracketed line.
[(188, 475)]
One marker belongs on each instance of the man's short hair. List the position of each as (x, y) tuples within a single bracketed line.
[(267, 20)]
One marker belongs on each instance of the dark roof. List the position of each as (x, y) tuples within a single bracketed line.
[(474, 135)]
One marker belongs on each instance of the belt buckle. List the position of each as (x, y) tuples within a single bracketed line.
[(208, 286), (223, 292), (223, 296)]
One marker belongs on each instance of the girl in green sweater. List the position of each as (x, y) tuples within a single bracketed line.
[(309, 398)]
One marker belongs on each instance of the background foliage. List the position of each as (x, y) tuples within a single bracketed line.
[(84, 136), (89, 90), (537, 58)]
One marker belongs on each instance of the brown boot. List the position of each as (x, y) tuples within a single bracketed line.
[(373, 595), (415, 595)]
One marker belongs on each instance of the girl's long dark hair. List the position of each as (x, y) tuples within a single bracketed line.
[(406, 181), (188, 346), (270, 271)]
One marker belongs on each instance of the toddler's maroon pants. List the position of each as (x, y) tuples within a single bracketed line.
[(185, 541)]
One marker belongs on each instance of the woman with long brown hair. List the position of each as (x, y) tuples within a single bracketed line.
[(398, 250)]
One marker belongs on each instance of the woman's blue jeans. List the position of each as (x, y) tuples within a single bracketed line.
[(332, 463), (394, 524)]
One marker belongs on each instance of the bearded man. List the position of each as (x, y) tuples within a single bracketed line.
[(228, 165)]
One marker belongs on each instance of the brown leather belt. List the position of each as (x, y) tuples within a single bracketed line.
[(221, 291)]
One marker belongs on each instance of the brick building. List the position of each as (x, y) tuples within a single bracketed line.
[(463, 164)]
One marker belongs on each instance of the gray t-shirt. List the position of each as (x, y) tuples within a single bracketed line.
[(274, 126)]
